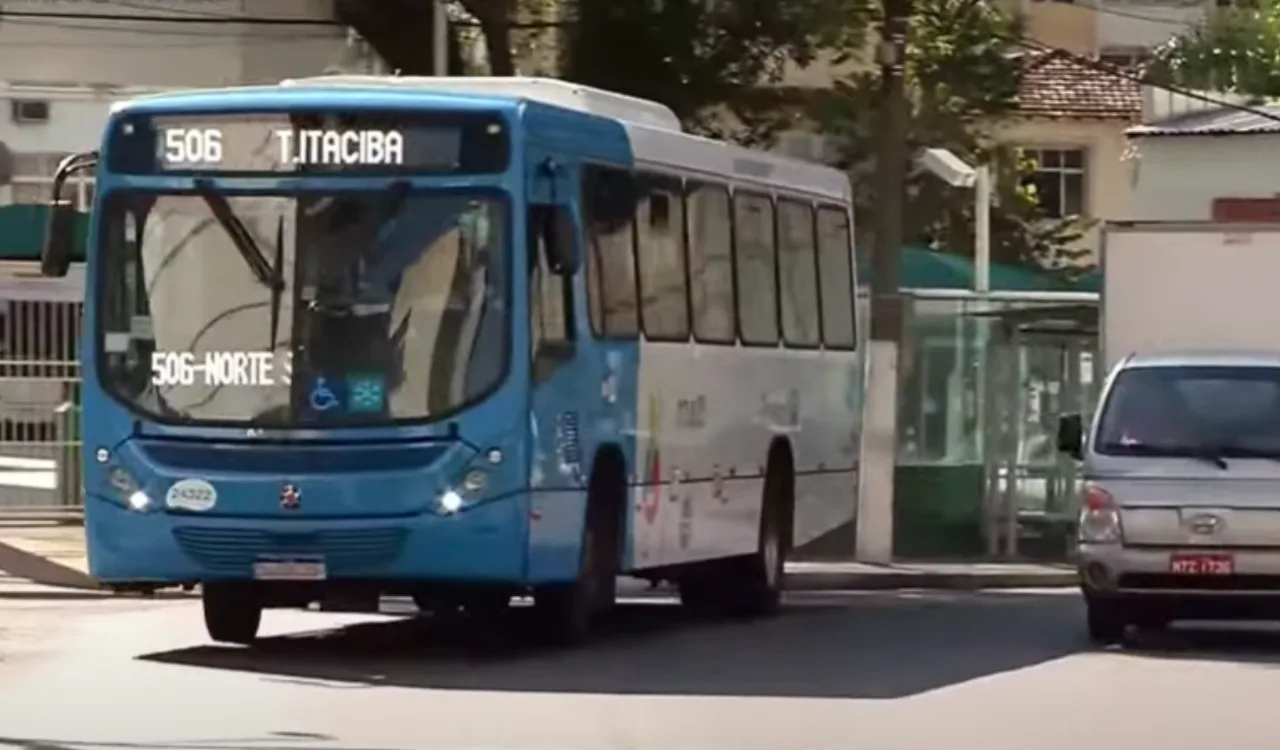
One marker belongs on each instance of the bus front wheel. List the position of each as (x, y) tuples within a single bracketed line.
[(567, 613), (232, 614)]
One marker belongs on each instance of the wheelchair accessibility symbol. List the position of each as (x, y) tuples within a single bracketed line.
[(322, 396)]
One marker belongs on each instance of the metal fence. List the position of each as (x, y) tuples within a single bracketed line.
[(40, 471)]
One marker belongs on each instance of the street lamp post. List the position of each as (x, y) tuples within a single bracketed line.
[(952, 170), (440, 39)]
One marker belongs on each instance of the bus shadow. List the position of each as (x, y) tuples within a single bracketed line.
[(877, 646)]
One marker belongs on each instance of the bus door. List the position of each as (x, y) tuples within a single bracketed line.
[(561, 376)]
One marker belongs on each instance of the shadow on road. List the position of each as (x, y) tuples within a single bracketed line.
[(885, 645)]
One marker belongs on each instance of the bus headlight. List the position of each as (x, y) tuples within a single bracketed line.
[(139, 501), (451, 501)]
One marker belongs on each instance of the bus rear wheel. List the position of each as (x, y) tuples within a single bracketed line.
[(752, 585), (232, 613)]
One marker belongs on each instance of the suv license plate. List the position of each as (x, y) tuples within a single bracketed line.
[(1202, 565), (280, 570)]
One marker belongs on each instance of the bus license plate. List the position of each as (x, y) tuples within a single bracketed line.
[(1202, 565), (289, 570)]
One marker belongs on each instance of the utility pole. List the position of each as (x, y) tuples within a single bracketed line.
[(440, 38), (874, 524)]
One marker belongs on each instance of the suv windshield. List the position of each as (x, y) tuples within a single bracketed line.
[(302, 309), (1217, 412)]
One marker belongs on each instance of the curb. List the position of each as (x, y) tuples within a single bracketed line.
[(65, 594), (794, 582), (893, 581)]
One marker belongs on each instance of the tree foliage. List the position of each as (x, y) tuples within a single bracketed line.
[(1233, 49), (963, 74), (703, 59), (400, 31)]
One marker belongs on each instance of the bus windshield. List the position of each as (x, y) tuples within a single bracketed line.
[(302, 309)]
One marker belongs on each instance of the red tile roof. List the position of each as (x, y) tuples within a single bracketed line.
[(1054, 84)]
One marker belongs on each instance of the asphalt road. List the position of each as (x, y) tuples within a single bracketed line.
[(876, 671)]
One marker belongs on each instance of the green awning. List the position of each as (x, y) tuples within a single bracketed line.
[(22, 228), (922, 268)]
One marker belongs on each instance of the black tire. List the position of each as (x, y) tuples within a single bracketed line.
[(759, 581), (1107, 621), (748, 586), (232, 614), (567, 613)]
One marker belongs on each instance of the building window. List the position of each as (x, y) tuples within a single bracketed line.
[(33, 181), (1059, 180)]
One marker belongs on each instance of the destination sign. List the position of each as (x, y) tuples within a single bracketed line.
[(310, 142)]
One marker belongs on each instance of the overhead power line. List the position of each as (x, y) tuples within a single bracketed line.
[(225, 20)]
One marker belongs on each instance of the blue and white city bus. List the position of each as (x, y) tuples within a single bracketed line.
[(457, 339)]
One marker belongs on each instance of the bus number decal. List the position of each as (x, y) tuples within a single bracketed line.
[(192, 146)]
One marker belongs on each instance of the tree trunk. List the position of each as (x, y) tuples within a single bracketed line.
[(497, 45), (396, 29), (495, 17)]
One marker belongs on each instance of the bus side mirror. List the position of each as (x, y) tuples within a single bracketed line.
[(1071, 436), (59, 237), (559, 238)]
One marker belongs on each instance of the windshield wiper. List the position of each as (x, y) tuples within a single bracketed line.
[(1237, 451), (240, 236), (1211, 454), (277, 284), (268, 274), (1208, 453)]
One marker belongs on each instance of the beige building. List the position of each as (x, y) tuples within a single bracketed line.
[(1119, 31), (1072, 120)]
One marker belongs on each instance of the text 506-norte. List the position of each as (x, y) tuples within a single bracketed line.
[(223, 369)]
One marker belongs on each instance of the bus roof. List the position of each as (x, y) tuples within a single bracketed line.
[(654, 130), (545, 90)]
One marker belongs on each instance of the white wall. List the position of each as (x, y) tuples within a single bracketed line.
[(169, 55), (1177, 177), (1125, 23)]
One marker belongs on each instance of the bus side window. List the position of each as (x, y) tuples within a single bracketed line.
[(836, 272), (550, 308), (664, 304), (798, 275), (757, 266), (711, 263), (609, 198)]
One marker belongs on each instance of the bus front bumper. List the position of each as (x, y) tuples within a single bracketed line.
[(492, 542)]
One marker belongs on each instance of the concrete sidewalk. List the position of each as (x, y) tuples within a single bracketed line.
[(49, 561)]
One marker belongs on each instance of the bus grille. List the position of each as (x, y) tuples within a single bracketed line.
[(346, 553)]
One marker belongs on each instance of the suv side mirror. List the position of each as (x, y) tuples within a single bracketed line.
[(59, 237), (1071, 436)]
